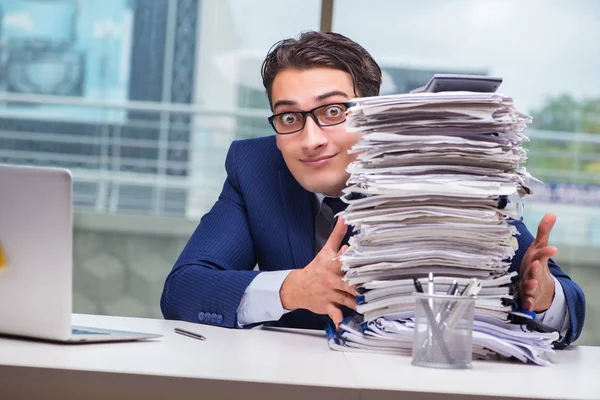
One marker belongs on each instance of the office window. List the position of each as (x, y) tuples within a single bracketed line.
[(547, 54), (140, 99)]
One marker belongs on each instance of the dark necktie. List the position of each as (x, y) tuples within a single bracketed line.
[(337, 205)]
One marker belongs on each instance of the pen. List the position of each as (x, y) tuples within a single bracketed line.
[(434, 329), (472, 289), (429, 310), (189, 334), (430, 288), (453, 288), (447, 305), (418, 286)]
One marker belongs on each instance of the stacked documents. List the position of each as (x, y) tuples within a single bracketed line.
[(436, 178), (391, 335), (393, 297)]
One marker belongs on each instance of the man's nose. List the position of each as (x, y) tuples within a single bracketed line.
[(313, 135)]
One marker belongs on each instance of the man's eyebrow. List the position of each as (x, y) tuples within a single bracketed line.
[(325, 96), (318, 98), (283, 103)]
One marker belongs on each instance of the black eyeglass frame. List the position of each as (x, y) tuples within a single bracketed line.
[(271, 119)]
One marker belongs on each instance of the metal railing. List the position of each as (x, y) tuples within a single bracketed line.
[(168, 159), (140, 157)]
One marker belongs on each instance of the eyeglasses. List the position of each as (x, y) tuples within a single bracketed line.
[(294, 121)]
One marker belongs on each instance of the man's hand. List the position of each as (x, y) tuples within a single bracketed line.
[(536, 282), (319, 286)]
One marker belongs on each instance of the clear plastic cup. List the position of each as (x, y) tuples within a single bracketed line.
[(443, 334)]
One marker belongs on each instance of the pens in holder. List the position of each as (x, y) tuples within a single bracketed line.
[(435, 332), (472, 289), (430, 290), (189, 334), (443, 325), (430, 287), (418, 286), (453, 288), (447, 305)]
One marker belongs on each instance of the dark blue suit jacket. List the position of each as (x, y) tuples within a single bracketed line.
[(263, 216)]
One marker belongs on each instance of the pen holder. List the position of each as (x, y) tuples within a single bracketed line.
[(443, 331)]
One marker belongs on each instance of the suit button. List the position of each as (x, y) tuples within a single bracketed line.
[(201, 316), (213, 318), (219, 319)]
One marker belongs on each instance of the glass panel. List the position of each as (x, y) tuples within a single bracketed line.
[(140, 99), (545, 52)]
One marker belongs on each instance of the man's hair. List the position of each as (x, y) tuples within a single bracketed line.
[(323, 49)]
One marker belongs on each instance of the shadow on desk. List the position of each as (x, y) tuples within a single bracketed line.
[(307, 332)]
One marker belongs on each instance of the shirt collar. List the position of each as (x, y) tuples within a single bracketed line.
[(320, 198)]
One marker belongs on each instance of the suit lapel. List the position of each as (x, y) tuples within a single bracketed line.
[(299, 218)]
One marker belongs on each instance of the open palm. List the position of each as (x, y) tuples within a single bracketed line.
[(536, 282)]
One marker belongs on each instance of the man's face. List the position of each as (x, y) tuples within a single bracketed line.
[(316, 156)]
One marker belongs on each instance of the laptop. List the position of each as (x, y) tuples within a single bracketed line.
[(36, 258)]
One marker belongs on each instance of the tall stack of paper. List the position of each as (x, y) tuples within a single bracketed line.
[(437, 175)]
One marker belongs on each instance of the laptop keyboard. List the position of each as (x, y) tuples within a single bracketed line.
[(76, 331)]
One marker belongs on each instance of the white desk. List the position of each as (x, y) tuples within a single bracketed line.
[(575, 375), (265, 364)]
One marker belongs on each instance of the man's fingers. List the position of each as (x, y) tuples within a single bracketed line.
[(339, 284), (527, 303), (343, 250), (529, 287), (544, 228), (337, 235), (535, 271), (532, 271), (345, 299), (336, 265), (529, 291), (335, 314), (544, 254)]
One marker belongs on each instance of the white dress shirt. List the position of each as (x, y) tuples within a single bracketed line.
[(261, 301)]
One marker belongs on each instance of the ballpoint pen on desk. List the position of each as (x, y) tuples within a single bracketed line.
[(189, 334)]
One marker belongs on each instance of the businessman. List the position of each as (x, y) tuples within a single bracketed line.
[(277, 206)]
